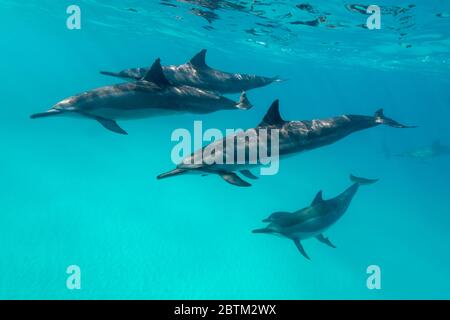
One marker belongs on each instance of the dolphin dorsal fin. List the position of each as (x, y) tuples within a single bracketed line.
[(156, 74), (273, 116), (318, 199), (199, 60), (379, 113)]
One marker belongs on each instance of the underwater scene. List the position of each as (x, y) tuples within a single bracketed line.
[(122, 177)]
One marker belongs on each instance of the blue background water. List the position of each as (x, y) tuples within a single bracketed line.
[(74, 193)]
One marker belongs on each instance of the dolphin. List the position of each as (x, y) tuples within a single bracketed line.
[(433, 151), (294, 137), (150, 96), (197, 73), (313, 221)]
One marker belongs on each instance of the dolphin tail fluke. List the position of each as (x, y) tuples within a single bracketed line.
[(50, 113), (362, 181), (380, 118), (244, 103), (172, 173)]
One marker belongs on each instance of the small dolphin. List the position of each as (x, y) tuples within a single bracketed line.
[(294, 137), (433, 151), (151, 96), (197, 73), (313, 221)]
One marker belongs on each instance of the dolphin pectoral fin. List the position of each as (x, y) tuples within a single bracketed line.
[(111, 125), (325, 240), (301, 249), (248, 174), (234, 179)]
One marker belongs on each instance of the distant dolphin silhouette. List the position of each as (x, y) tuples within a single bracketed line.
[(197, 73), (313, 221), (423, 153), (150, 96), (295, 137)]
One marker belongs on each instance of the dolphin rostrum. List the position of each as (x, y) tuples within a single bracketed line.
[(294, 137), (197, 73), (150, 96), (313, 221)]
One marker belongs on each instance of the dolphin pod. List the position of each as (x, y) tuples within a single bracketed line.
[(313, 221), (295, 137), (196, 73), (196, 88), (150, 96)]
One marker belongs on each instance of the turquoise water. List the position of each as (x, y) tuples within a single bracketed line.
[(73, 193)]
